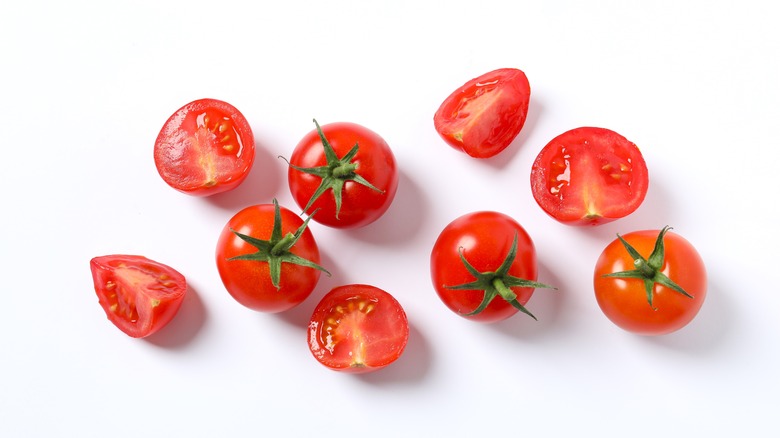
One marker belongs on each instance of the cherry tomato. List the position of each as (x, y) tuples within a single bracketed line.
[(267, 258), (346, 171), (483, 116), (205, 147), (650, 282), (589, 176), (483, 267), (140, 296), (358, 328)]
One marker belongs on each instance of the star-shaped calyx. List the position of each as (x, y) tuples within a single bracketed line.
[(276, 250), (497, 283)]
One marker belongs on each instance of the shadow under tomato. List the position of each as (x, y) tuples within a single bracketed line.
[(184, 326), (410, 368), (262, 184)]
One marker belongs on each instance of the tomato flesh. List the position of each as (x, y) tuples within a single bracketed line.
[(140, 296), (483, 116), (589, 176), (205, 147), (358, 329)]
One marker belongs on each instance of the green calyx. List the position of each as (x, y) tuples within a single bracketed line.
[(335, 173), (649, 270), (497, 283), (276, 250)]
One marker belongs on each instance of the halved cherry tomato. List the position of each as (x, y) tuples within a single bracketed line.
[(650, 282), (346, 171), (483, 116), (205, 147), (140, 296), (358, 328), (483, 266), (267, 258), (589, 176)]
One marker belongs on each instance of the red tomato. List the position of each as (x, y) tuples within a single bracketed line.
[(589, 176), (346, 171), (358, 328), (140, 296), (205, 147), (479, 257), (482, 117), (655, 295), (267, 258)]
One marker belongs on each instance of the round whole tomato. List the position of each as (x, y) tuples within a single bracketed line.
[(205, 147), (650, 282), (484, 115), (140, 296), (483, 266), (345, 171), (589, 176), (358, 328), (267, 258)]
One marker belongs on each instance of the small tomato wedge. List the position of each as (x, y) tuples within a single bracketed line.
[(346, 171), (267, 258), (650, 282), (589, 176), (140, 296), (358, 328), (483, 116), (204, 148), (483, 267)]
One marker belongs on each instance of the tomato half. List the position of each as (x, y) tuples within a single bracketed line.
[(267, 258), (140, 296), (205, 147), (483, 266), (345, 171), (484, 115), (624, 297), (589, 176), (358, 328)]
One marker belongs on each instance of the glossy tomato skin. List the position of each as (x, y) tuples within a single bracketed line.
[(485, 238), (375, 161), (589, 176), (248, 281), (624, 301), (484, 115), (140, 296), (205, 147), (358, 328)]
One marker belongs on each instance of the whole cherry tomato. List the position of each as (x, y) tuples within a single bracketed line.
[(345, 171), (358, 328), (484, 115), (140, 296), (205, 147), (589, 176), (650, 282), (483, 266), (267, 258)]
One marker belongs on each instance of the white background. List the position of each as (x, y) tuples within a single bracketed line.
[(86, 86)]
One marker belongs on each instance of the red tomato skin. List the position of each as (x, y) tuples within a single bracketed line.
[(360, 204), (486, 238), (484, 115), (385, 329), (186, 142), (624, 301), (249, 282), (119, 293), (578, 177)]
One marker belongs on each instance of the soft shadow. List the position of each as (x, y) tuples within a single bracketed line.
[(184, 326), (410, 368), (261, 185), (402, 221), (500, 161)]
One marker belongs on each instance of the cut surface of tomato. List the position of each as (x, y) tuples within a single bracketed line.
[(140, 296)]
